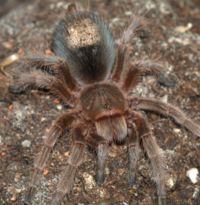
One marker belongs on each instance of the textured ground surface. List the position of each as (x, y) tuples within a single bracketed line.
[(173, 35)]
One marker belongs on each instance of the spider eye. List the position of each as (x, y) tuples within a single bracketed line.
[(107, 106)]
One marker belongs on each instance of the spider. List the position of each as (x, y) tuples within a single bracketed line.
[(88, 72)]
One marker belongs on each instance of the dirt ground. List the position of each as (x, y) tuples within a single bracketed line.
[(173, 35)]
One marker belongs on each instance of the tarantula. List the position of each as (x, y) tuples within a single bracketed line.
[(88, 76)]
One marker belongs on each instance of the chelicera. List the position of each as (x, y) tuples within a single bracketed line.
[(87, 72)]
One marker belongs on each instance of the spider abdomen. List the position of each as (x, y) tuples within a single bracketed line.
[(102, 100), (85, 42)]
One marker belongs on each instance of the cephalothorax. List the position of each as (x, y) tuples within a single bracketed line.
[(88, 73)]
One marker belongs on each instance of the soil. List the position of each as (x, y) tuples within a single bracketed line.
[(173, 36)]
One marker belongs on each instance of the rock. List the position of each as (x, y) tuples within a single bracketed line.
[(196, 193), (192, 174), (166, 81), (59, 107), (171, 182), (26, 143), (183, 29), (89, 181)]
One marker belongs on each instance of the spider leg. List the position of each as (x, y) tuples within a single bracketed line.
[(167, 109), (136, 24), (99, 143), (53, 65), (38, 79), (57, 129), (74, 161), (153, 152), (133, 153), (139, 69), (102, 153)]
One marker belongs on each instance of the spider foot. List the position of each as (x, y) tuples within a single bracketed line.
[(162, 200), (16, 89), (131, 179), (28, 197), (100, 178)]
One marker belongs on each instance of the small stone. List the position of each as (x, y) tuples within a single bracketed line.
[(89, 181), (59, 107), (14, 197), (45, 172), (17, 177), (121, 171), (195, 193), (66, 154), (60, 4), (164, 8), (52, 6), (193, 175), (164, 99), (183, 29), (176, 130), (167, 81), (128, 13), (107, 171), (182, 41), (171, 182), (43, 119), (114, 20), (102, 193), (26, 143)]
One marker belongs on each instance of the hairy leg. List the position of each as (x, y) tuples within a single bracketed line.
[(133, 153), (57, 129), (154, 154), (166, 109), (139, 69), (136, 24), (102, 153), (74, 161), (38, 79), (53, 65)]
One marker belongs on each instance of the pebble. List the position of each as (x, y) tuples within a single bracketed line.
[(26, 143), (171, 182), (183, 29), (176, 130), (102, 193), (184, 41), (19, 115), (59, 107), (43, 119), (128, 13), (192, 174), (89, 181), (107, 171), (166, 81), (164, 8), (164, 99), (196, 193)]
